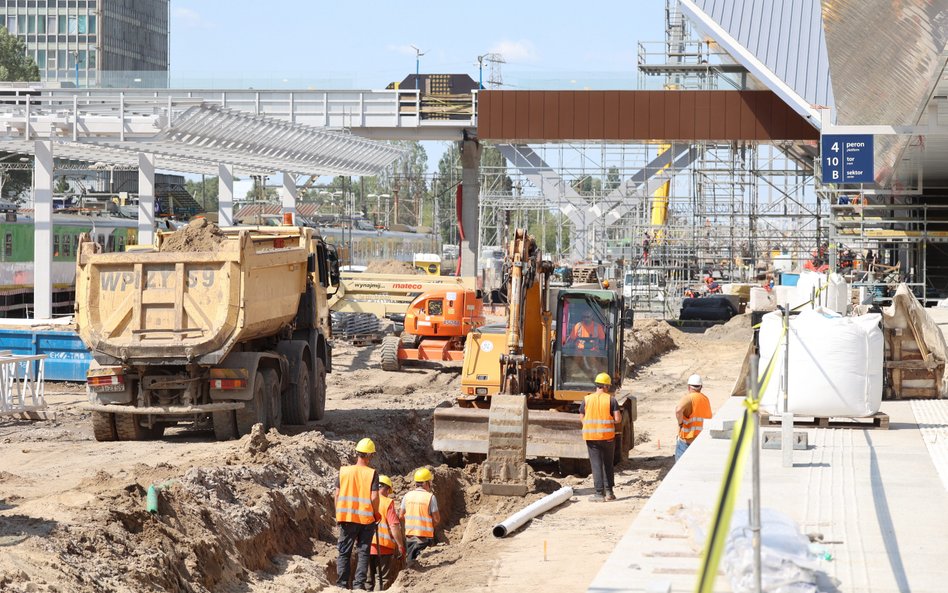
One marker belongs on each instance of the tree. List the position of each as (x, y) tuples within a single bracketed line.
[(62, 186), (407, 177), (15, 64), (206, 192)]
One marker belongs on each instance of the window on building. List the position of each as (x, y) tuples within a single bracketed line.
[(51, 61), (51, 24), (91, 58), (66, 246), (11, 24), (120, 243), (62, 24), (82, 58), (55, 245), (41, 58), (61, 59), (40, 25), (31, 23), (8, 244), (91, 23), (110, 243), (21, 24), (73, 25), (82, 25), (71, 57)]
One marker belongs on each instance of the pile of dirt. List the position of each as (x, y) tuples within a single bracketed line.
[(738, 329), (647, 339), (391, 266), (199, 235)]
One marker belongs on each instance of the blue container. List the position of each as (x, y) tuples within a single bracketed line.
[(67, 358), (789, 279)]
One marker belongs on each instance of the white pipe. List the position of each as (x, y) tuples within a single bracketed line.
[(513, 522)]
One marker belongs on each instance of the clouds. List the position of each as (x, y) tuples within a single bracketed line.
[(189, 18), (521, 51)]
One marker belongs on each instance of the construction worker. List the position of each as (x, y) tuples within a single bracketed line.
[(388, 539), (419, 513), (599, 412), (692, 410), (587, 333), (357, 511), (713, 287)]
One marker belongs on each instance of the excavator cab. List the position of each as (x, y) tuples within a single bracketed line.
[(588, 338)]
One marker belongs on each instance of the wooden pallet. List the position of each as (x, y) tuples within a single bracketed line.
[(363, 339), (878, 421)]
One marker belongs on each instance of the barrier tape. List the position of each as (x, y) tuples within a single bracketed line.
[(734, 470)]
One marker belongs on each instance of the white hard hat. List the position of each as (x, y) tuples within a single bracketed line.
[(695, 380)]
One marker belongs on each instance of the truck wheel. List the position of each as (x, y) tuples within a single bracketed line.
[(317, 404), (225, 425), (254, 410), (390, 360), (624, 440), (127, 428), (274, 403), (103, 426), (297, 398)]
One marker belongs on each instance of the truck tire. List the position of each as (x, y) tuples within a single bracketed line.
[(624, 441), (103, 426), (254, 410), (390, 360), (297, 397), (317, 403), (271, 380), (127, 428), (225, 425)]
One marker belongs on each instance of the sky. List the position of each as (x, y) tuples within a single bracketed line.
[(320, 44)]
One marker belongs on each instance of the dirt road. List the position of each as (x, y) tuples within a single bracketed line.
[(256, 514)]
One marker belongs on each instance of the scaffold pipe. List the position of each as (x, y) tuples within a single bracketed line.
[(539, 507)]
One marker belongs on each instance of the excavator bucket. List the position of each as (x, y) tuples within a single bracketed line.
[(505, 471)]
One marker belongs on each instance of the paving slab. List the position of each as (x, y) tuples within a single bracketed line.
[(878, 497)]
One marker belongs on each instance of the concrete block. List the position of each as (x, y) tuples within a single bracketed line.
[(772, 439)]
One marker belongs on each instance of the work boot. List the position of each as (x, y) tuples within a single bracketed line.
[(609, 495), (596, 498)]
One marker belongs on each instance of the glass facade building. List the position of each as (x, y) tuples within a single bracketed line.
[(112, 43)]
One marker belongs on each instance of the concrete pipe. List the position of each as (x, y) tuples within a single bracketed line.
[(513, 522)]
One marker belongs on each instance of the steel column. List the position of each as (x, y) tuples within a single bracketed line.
[(288, 193), (146, 198), (225, 195), (43, 233)]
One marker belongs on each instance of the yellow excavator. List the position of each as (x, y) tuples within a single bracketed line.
[(522, 381)]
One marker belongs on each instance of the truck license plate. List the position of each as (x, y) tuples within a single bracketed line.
[(118, 387)]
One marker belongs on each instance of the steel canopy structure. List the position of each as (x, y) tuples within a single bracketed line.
[(183, 134)]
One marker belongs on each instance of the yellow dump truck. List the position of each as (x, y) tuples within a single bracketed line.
[(225, 333)]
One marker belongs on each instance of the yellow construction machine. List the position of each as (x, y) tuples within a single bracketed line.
[(522, 382)]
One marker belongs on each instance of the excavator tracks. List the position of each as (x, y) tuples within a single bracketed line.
[(505, 471)]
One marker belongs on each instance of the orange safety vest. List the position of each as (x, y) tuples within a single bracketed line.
[(692, 425), (384, 539), (418, 519), (593, 331), (598, 423), (355, 495)]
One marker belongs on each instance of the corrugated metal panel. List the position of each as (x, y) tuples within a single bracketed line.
[(784, 35), (539, 116)]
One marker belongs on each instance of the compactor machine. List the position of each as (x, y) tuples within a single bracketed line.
[(522, 381)]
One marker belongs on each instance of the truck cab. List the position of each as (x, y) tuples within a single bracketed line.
[(643, 284)]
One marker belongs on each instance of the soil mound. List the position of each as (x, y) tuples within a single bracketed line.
[(199, 235), (391, 266), (738, 329), (647, 339)]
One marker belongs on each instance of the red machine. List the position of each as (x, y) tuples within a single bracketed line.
[(436, 326)]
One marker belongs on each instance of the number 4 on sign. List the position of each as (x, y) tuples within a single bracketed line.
[(835, 147)]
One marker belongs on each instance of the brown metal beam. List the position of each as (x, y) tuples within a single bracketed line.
[(551, 116)]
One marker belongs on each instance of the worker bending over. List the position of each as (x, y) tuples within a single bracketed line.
[(599, 412), (693, 409), (357, 510), (388, 539), (419, 514)]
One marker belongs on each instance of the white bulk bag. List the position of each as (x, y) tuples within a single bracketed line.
[(761, 299), (837, 294), (809, 284), (835, 364)]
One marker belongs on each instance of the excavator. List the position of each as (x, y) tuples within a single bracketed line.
[(522, 381)]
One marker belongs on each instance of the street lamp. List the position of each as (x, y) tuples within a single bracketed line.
[(418, 54)]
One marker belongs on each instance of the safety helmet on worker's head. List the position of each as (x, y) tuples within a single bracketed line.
[(605, 284), (603, 379), (695, 380), (386, 481), (366, 446), (423, 474)]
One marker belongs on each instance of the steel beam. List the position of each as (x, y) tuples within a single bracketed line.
[(43, 233), (225, 195), (288, 194), (146, 198)]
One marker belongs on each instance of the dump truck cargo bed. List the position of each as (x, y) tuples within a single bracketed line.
[(174, 307)]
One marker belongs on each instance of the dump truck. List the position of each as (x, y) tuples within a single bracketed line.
[(522, 381), (224, 336)]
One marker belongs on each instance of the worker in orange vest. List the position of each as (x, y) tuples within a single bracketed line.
[(357, 511), (388, 539), (692, 410), (599, 412), (420, 515), (587, 334)]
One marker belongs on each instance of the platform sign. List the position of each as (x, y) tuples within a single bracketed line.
[(847, 158)]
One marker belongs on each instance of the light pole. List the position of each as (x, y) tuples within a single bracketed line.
[(418, 54), (480, 71)]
